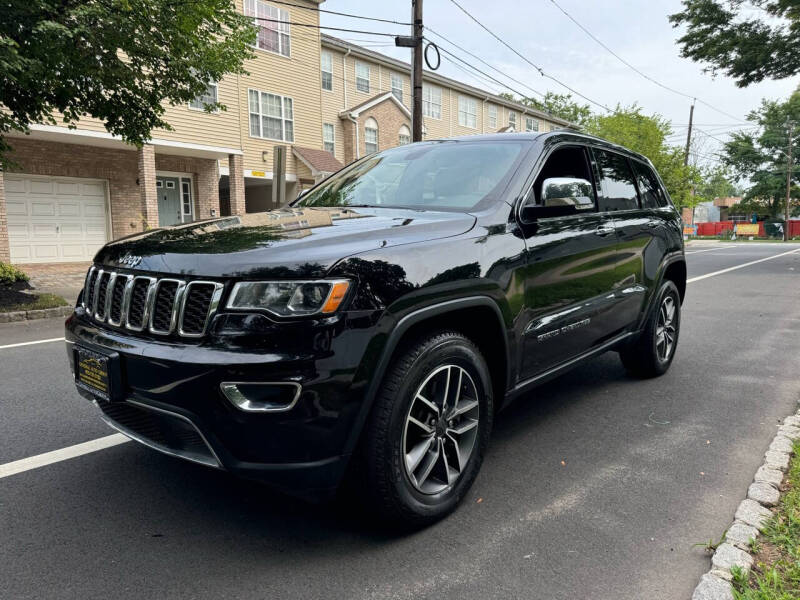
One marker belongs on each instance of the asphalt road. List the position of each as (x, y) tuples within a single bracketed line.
[(649, 469)]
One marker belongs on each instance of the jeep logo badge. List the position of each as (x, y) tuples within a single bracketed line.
[(129, 260)]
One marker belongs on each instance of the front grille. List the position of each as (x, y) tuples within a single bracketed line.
[(160, 429), (102, 294), (159, 306), (164, 306), (195, 307)]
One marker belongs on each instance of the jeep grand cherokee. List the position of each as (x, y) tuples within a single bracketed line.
[(374, 327)]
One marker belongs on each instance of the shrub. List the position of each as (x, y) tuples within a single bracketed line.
[(11, 274)]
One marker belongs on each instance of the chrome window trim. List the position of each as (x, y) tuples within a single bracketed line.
[(147, 300), (288, 407), (216, 296), (176, 303)]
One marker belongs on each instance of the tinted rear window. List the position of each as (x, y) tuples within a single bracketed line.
[(649, 188), (445, 175), (617, 189)]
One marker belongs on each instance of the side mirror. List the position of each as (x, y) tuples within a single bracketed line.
[(560, 196)]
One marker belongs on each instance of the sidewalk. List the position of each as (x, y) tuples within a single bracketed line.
[(62, 279)]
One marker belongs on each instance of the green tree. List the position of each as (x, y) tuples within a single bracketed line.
[(120, 61), (715, 182), (726, 36), (558, 105), (760, 157), (646, 134)]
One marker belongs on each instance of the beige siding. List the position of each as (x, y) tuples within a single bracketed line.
[(333, 102), (297, 77)]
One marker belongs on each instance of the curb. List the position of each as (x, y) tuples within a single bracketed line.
[(30, 315), (751, 516)]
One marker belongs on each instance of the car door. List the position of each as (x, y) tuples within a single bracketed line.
[(569, 271), (619, 199)]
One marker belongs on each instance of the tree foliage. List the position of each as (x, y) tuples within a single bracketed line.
[(558, 105), (729, 38), (646, 134), (760, 157), (120, 61)]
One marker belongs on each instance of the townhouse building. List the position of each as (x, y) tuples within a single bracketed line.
[(324, 100)]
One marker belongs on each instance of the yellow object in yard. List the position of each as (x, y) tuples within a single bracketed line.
[(747, 229)]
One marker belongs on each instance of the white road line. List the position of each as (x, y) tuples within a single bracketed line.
[(48, 458), (741, 266), (709, 250), (61, 339)]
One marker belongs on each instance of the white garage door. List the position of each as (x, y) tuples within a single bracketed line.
[(55, 219)]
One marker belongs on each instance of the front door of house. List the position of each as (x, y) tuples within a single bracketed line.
[(174, 200)]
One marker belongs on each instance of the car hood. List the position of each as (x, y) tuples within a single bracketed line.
[(290, 242)]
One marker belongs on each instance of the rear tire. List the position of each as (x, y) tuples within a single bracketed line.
[(428, 430), (652, 353)]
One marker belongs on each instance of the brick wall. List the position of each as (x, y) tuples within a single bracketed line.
[(389, 118)]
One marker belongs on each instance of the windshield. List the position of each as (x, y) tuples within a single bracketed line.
[(445, 175)]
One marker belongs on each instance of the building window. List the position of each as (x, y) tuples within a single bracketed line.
[(405, 136), (492, 116), (397, 86), (326, 65), (271, 116), (432, 101), (328, 137), (531, 124), (362, 77), (273, 26), (186, 197), (371, 135), (207, 97), (512, 119), (467, 112)]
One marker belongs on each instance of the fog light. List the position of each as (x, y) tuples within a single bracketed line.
[(273, 396)]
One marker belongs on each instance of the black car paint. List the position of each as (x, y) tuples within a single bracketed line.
[(409, 266)]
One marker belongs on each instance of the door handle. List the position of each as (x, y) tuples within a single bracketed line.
[(604, 230)]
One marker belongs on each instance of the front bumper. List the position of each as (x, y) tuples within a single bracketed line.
[(171, 401)]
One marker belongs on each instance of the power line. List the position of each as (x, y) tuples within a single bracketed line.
[(341, 14), (537, 67), (630, 66), (312, 26), (476, 57)]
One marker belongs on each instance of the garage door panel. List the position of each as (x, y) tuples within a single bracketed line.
[(54, 219), (41, 208), (42, 186), (15, 207)]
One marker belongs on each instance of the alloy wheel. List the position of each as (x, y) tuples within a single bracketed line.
[(440, 429), (666, 328)]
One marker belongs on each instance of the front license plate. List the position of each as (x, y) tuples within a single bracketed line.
[(91, 372)]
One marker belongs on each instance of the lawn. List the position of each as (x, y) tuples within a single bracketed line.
[(776, 575), (15, 294)]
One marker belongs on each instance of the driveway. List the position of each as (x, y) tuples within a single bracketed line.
[(61, 279), (596, 485)]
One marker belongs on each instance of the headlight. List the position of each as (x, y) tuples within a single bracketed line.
[(289, 298)]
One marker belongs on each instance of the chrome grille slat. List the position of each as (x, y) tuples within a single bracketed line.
[(141, 303)]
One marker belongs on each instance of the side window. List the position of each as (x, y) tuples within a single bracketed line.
[(617, 191), (650, 189), (565, 178)]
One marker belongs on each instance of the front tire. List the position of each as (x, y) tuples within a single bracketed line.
[(428, 430), (652, 353)]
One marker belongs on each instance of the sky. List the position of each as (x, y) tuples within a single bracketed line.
[(638, 31)]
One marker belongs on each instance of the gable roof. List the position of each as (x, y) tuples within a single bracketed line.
[(319, 161), (374, 101)]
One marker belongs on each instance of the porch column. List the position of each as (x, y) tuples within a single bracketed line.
[(147, 186), (236, 183), (5, 250)]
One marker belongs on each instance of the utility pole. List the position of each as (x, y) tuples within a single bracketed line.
[(688, 143), (688, 135), (789, 169), (416, 74)]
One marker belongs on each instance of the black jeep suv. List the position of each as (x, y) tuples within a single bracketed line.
[(376, 325)]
